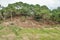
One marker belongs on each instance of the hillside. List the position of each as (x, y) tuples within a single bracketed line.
[(14, 32), (28, 22), (23, 21)]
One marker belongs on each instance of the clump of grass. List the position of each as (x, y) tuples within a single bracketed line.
[(0, 21), (15, 29), (23, 19), (12, 23), (1, 27)]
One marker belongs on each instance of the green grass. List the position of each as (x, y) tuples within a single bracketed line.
[(19, 33)]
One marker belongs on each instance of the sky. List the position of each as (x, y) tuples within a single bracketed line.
[(51, 4)]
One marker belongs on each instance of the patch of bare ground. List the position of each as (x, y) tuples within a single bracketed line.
[(8, 37), (30, 37), (28, 23)]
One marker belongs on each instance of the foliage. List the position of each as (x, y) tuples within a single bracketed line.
[(36, 11)]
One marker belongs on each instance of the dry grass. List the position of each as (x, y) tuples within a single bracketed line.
[(18, 33)]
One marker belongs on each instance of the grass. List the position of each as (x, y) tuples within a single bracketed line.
[(18, 33)]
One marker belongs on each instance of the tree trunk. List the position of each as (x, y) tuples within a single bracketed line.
[(2, 15), (11, 16)]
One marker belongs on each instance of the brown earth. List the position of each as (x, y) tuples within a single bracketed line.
[(29, 23)]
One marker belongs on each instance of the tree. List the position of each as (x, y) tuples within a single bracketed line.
[(2, 11), (56, 14), (45, 12), (11, 10), (36, 12)]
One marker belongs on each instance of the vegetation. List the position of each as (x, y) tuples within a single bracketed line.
[(17, 33), (37, 12), (12, 30)]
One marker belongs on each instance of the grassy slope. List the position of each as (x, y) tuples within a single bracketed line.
[(17, 33)]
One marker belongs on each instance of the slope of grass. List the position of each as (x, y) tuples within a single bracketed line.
[(19, 33)]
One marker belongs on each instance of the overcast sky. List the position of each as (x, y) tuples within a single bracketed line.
[(50, 3)]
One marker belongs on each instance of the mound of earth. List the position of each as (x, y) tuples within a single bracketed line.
[(29, 23)]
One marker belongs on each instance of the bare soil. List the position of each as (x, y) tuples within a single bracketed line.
[(29, 22)]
